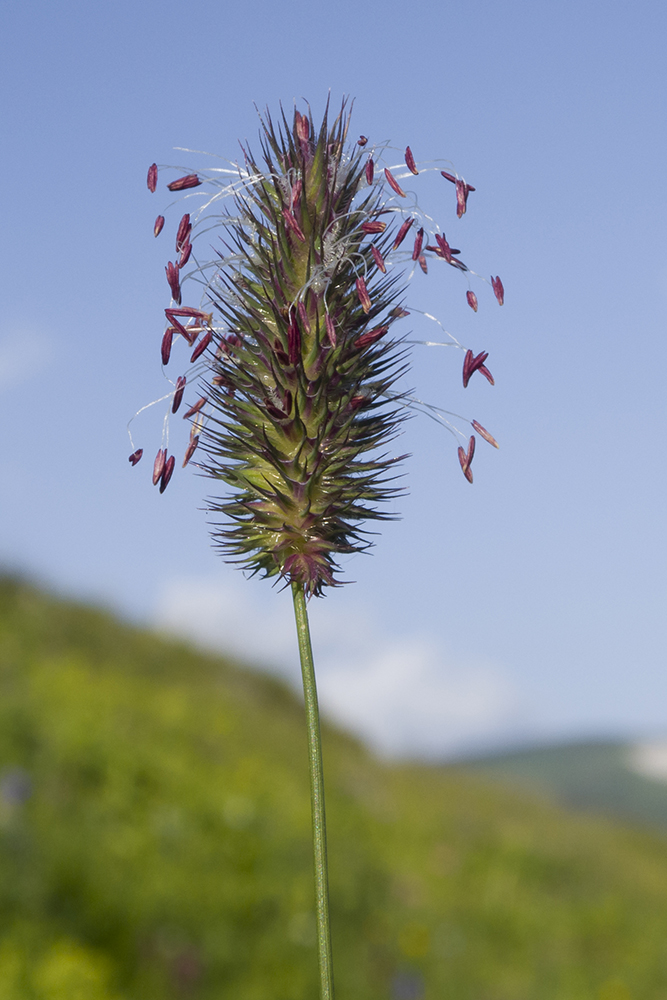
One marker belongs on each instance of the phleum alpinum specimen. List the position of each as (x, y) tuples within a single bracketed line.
[(287, 333)]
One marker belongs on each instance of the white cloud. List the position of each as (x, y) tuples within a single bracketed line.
[(402, 694)]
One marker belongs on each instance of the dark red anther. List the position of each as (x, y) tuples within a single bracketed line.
[(178, 394), (362, 140), (303, 317), (364, 297), (444, 247), (419, 238), (393, 183), (402, 232), (202, 345), (189, 181), (370, 336), (135, 456), (192, 447), (462, 192), (422, 263), (472, 300), (472, 363), (189, 311), (158, 465), (410, 161), (171, 270), (483, 370), (295, 193), (151, 180), (185, 255), (358, 401), (373, 227), (159, 223), (498, 289), (190, 332), (378, 258), (482, 431), (183, 234), (166, 344), (370, 170), (293, 340), (331, 330), (302, 126), (466, 458), (293, 225), (196, 407), (167, 472)]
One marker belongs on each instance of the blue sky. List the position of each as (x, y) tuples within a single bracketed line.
[(530, 605)]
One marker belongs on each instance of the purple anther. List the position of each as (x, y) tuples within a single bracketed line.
[(373, 227), (166, 344), (196, 407), (151, 180), (158, 465), (159, 223), (370, 336), (419, 238), (410, 161), (462, 192), (378, 258), (498, 289), (422, 263), (302, 126), (370, 170), (482, 431), (364, 297), (135, 456), (362, 140), (465, 464), (192, 447), (183, 234), (167, 472), (393, 183), (171, 270), (185, 255), (472, 300), (202, 345), (472, 363), (178, 394), (402, 232), (189, 181)]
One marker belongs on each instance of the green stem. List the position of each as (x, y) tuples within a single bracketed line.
[(316, 794)]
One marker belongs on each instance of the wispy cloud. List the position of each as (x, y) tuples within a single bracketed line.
[(403, 694)]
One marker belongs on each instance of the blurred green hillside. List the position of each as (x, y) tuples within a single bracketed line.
[(596, 776), (155, 845)]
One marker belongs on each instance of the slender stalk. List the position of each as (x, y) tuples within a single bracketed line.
[(316, 794)]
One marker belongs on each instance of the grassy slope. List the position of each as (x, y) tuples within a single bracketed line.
[(593, 776), (164, 851)]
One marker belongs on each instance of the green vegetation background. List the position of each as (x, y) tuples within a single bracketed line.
[(155, 844)]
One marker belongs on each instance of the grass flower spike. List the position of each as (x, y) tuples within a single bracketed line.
[(292, 344)]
